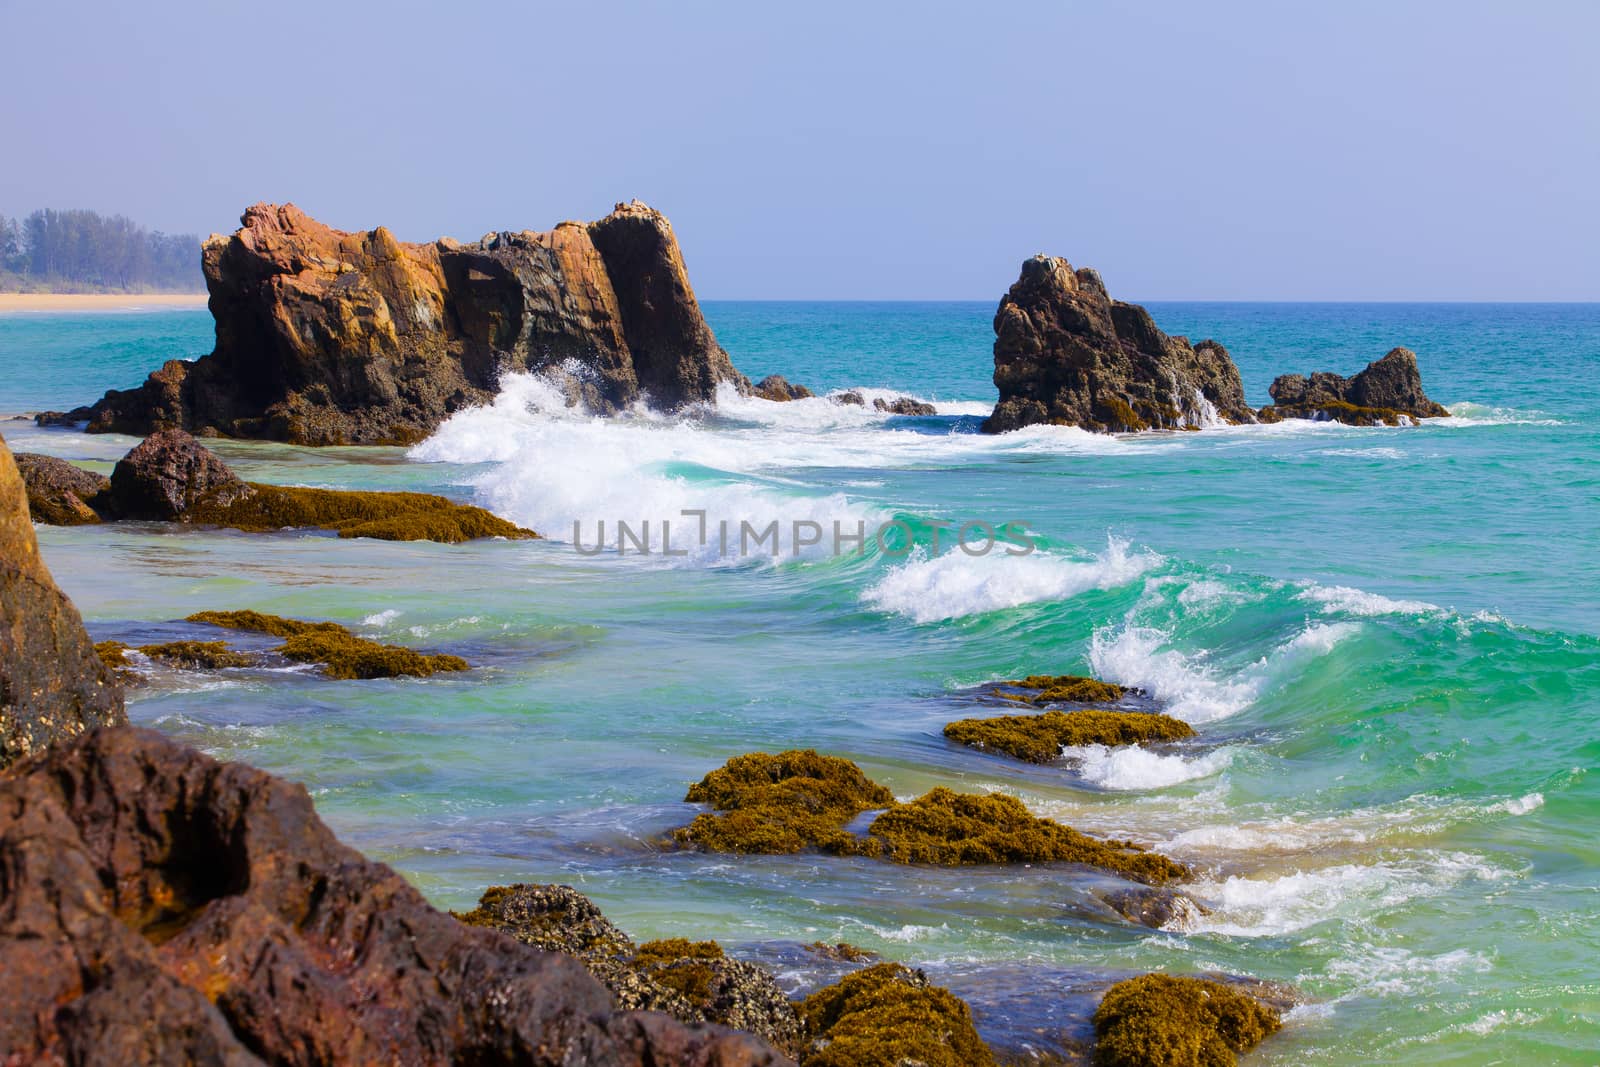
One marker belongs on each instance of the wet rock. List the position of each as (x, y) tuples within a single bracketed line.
[(1178, 1022), (1066, 354), (1040, 738), (850, 398), (164, 907), (903, 405), (1389, 392), (168, 475), (776, 387), (888, 1015), (53, 685), (693, 981), (328, 337), (341, 653), (60, 493), (1157, 907)]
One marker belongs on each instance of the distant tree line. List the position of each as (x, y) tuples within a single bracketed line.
[(84, 251)]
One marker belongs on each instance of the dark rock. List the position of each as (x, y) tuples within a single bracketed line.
[(169, 474), (59, 493), (903, 405), (52, 683), (69, 419), (691, 981), (327, 337), (164, 907), (1381, 394), (851, 398), (1157, 907), (778, 388), (1066, 354)]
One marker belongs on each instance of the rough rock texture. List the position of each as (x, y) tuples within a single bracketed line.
[(903, 405), (59, 493), (167, 475), (1386, 390), (777, 388), (328, 337), (1067, 354), (52, 683), (162, 907), (692, 981)]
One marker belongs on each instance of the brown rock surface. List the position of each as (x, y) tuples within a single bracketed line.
[(777, 388), (52, 683), (1387, 389), (328, 337), (59, 493), (1065, 353), (167, 475), (164, 907)]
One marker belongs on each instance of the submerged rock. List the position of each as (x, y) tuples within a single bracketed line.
[(693, 981), (1040, 738), (888, 1015), (60, 493), (799, 800), (327, 337), (162, 907), (1157, 907), (1178, 1022), (1388, 392), (1066, 354), (1064, 689), (777, 388), (53, 685), (903, 405), (341, 653)]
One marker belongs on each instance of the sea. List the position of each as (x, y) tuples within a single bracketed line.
[(1387, 639)]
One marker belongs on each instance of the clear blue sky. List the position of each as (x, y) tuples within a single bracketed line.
[(1355, 150)]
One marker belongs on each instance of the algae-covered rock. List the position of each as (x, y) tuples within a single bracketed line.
[(1066, 689), (781, 803), (342, 654), (1169, 1021), (693, 981), (959, 829), (198, 655), (1040, 738), (1388, 393), (889, 1016)]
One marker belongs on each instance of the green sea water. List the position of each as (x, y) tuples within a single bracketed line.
[(1388, 641)]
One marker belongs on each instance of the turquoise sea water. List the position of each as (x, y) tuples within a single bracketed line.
[(1388, 640)]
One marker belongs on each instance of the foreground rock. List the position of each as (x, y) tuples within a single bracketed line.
[(1178, 1022), (1389, 392), (162, 907), (171, 477), (693, 981), (60, 494), (52, 684), (888, 1015), (1066, 354), (800, 800), (327, 337)]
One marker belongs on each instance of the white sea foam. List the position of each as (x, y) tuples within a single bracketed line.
[(1392, 971), (1342, 599), (1192, 690), (382, 618), (1135, 768), (955, 585)]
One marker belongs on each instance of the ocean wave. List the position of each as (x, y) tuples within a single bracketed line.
[(1344, 599), (955, 585), (1134, 768), (1467, 414)]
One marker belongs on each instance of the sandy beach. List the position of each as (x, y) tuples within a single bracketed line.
[(98, 301)]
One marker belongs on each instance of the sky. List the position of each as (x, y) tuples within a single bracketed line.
[(1217, 151)]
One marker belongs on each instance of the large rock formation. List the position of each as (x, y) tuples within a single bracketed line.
[(1386, 391), (328, 337), (52, 685), (1065, 353), (162, 907)]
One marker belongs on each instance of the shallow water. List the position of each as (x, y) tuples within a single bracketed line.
[(1388, 640)]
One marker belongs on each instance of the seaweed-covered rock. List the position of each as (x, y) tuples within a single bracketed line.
[(1065, 353), (197, 655), (903, 405), (694, 981), (889, 1016), (781, 803), (328, 337), (958, 829), (1040, 738), (53, 685), (1178, 1022), (60, 493), (162, 907), (167, 475), (1389, 392), (341, 653), (777, 388), (1064, 689)]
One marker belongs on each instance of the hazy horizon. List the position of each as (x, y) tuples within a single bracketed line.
[(1436, 153)]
